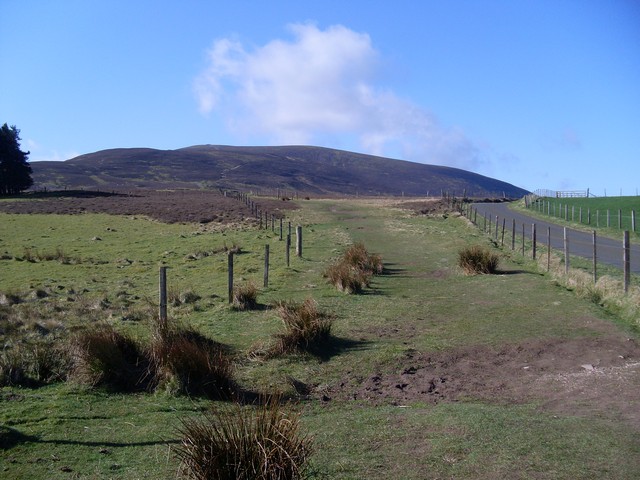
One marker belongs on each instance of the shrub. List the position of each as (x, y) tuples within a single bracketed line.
[(245, 296), (187, 362), (245, 443), (306, 328), (476, 259), (105, 357)]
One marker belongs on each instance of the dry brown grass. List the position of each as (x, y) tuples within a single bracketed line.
[(184, 361), (245, 296), (306, 328), (476, 259), (105, 357), (352, 272), (262, 443)]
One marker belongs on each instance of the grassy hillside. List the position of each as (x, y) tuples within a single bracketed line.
[(312, 170), (429, 373)]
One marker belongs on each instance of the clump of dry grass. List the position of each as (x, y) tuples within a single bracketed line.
[(245, 296), (306, 328), (184, 361), (353, 271), (105, 357), (476, 259), (261, 443), (33, 364)]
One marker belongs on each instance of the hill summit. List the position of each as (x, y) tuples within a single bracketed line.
[(305, 169)]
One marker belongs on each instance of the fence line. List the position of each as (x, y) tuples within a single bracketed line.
[(610, 218), (624, 249)]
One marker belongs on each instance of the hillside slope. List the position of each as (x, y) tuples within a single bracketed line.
[(313, 170)]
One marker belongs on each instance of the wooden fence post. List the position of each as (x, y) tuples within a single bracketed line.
[(619, 219), (513, 234), (523, 239), (266, 266), (626, 260), (595, 258), (503, 224), (288, 249), (548, 248), (566, 251), (533, 240), (496, 234), (633, 220), (230, 278), (299, 241), (280, 228), (163, 296)]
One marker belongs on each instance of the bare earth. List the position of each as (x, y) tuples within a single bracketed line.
[(575, 377), (169, 206)]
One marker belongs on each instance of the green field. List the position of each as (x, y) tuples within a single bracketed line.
[(98, 268), (607, 215)]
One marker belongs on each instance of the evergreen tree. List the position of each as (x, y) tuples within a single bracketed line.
[(15, 171)]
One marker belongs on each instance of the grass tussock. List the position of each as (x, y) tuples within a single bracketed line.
[(245, 296), (476, 259), (184, 361), (306, 328), (260, 443), (352, 272), (105, 357), (33, 364)]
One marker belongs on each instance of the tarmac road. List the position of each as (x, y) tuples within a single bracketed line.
[(609, 251)]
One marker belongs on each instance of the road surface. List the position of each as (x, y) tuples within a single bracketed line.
[(609, 251)]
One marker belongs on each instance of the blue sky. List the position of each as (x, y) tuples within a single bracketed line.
[(541, 94)]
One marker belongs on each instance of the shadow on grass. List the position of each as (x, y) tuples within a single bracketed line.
[(513, 272), (10, 437), (334, 346), (390, 269)]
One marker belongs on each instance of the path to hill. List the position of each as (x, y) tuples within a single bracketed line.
[(580, 243), (463, 340)]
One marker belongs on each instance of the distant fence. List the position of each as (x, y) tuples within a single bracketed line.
[(617, 219), (562, 193)]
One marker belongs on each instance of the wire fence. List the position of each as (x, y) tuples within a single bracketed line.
[(598, 256), (619, 219)]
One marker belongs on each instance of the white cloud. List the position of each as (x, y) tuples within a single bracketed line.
[(321, 85)]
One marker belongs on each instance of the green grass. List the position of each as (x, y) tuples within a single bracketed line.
[(598, 208), (421, 302), (467, 440)]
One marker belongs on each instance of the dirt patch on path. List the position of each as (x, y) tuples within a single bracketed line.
[(575, 376)]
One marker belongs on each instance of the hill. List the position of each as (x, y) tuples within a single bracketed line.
[(313, 170)]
